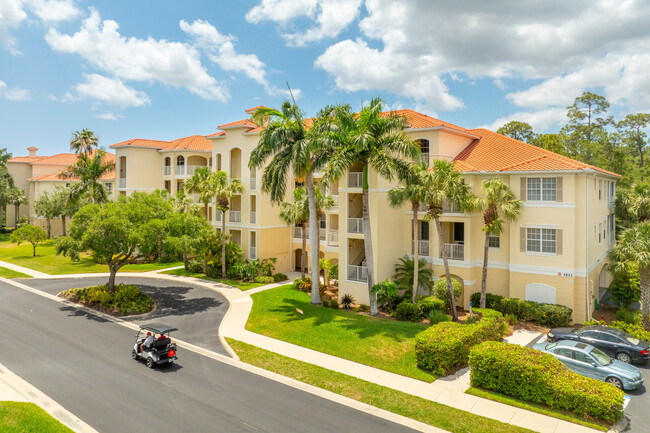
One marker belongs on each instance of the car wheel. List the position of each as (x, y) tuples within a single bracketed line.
[(615, 381), (134, 355), (624, 357), (150, 362)]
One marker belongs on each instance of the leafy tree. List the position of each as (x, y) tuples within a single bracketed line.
[(624, 289), (584, 127), (497, 200), (182, 203), (632, 129), (553, 142), (225, 190), (83, 142), (28, 233), (6, 183), (202, 182), (295, 213), (89, 169), (521, 131), (69, 206), (16, 197), (47, 206), (406, 274), (187, 233), (635, 203)]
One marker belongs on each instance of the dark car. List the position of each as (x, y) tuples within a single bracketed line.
[(614, 342)]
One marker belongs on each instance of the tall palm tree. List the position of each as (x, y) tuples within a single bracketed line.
[(324, 202), (413, 190), (225, 190), (297, 213), (637, 201), (16, 197), (48, 206), (88, 170), (444, 184), (374, 141), (293, 153), (203, 183), (634, 246), (83, 142), (498, 199)]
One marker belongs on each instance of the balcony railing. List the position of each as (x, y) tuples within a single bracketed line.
[(355, 225), (252, 253), (423, 247), (218, 216), (253, 184), (253, 217), (333, 238), (123, 182), (322, 235), (357, 273), (192, 168), (167, 170), (297, 232), (450, 207), (235, 216), (180, 170), (454, 251), (355, 179)]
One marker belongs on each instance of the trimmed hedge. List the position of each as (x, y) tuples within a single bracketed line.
[(538, 377), (408, 312), (430, 303), (550, 315), (446, 345)]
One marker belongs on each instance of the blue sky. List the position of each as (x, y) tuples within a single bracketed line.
[(166, 69)]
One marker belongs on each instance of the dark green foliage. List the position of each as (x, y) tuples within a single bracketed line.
[(362, 308), (280, 277), (550, 315), (511, 319), (334, 303), (437, 316), (333, 272), (405, 271), (305, 286), (492, 302), (431, 303), (267, 266), (446, 345), (125, 300), (441, 291), (634, 329), (347, 301), (263, 279), (625, 289), (627, 316), (389, 295), (407, 311), (538, 377)]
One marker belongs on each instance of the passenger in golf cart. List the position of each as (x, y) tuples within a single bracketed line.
[(154, 351)]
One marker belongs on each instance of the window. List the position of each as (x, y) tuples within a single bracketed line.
[(600, 230), (604, 230), (610, 338), (494, 241), (424, 230), (541, 189), (323, 222), (590, 334), (109, 187), (600, 190), (563, 352), (540, 240), (180, 186), (582, 357)]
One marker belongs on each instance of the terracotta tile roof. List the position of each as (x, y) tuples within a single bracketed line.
[(494, 152), (254, 109), (194, 142), (57, 177), (140, 142), (26, 158), (244, 123), (216, 134), (416, 120)]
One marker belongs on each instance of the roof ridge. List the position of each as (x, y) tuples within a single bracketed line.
[(528, 161)]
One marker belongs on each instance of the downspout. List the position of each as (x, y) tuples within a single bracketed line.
[(587, 242)]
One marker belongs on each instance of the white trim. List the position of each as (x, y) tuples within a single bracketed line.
[(540, 226), (516, 172), (556, 204), (442, 128), (184, 150), (537, 253), (546, 270), (136, 189)]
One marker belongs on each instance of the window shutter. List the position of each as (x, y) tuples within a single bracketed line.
[(558, 242), (558, 189), (524, 187), (522, 239)]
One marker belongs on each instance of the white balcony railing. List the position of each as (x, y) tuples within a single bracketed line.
[(450, 207), (123, 182), (297, 233), (355, 225), (167, 170), (423, 248), (454, 251), (180, 170), (333, 238), (235, 216), (192, 168), (322, 235), (253, 184), (357, 273), (355, 179), (252, 253), (253, 217)]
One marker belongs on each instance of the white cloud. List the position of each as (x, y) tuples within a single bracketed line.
[(111, 91), (542, 120), (171, 63), (12, 15), (108, 116), (13, 93), (281, 10), (55, 10)]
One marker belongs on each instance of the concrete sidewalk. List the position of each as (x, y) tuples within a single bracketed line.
[(27, 271)]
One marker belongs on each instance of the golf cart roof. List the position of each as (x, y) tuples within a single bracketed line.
[(158, 328)]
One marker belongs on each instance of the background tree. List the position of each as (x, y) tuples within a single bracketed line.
[(6, 183), (324, 202), (69, 205), (406, 276), (47, 206), (553, 142), (202, 182), (296, 213), (187, 234), (632, 128), (28, 233), (83, 142), (497, 200), (16, 197), (225, 190), (521, 131), (584, 126), (88, 170)]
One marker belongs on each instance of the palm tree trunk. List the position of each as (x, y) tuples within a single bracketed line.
[(49, 227), (185, 261), (303, 259), (445, 261), (313, 241), (1, 215), (17, 212), (63, 224), (416, 259), (486, 249), (367, 241), (205, 211), (644, 282), (223, 244)]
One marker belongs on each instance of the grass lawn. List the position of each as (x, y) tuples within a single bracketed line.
[(19, 417), (381, 343), (241, 285), (534, 407), (47, 261), (417, 408), (10, 273)]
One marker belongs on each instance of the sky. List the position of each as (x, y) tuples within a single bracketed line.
[(163, 69)]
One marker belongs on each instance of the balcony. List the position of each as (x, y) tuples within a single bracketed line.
[(217, 216), (423, 248), (450, 207), (454, 251), (333, 238), (358, 273), (234, 216), (355, 179), (253, 217), (253, 184), (167, 170), (297, 233), (322, 235), (180, 170), (336, 201), (192, 168), (355, 225), (123, 182), (252, 253)]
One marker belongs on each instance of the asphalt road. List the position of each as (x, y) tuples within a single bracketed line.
[(637, 409), (83, 362)]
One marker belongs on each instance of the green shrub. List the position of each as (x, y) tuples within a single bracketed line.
[(531, 375), (363, 308), (408, 312), (333, 272), (334, 304), (347, 301), (280, 277), (297, 283), (634, 329), (431, 303), (625, 288), (267, 266), (126, 299), (441, 291), (446, 345), (511, 319), (550, 315), (263, 279), (388, 295), (437, 316), (627, 316), (492, 301)]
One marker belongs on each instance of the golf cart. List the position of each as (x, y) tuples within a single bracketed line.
[(160, 351)]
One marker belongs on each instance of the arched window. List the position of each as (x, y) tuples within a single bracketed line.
[(180, 160)]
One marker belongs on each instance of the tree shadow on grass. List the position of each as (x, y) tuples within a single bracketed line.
[(76, 312)]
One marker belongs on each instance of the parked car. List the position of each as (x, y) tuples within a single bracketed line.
[(590, 361), (614, 342)]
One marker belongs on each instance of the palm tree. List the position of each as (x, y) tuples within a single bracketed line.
[(374, 141), (412, 191), (297, 213), (407, 273), (636, 201), (443, 184), (16, 197), (294, 152), (634, 246), (498, 199), (202, 182), (88, 170), (225, 190), (324, 202), (84, 142), (49, 206)]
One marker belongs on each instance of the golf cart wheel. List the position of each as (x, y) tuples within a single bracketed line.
[(150, 362), (134, 355), (624, 357), (615, 381)]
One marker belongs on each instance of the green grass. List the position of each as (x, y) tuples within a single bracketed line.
[(407, 405), (241, 285), (10, 273), (381, 343), (533, 407), (19, 417), (47, 261)]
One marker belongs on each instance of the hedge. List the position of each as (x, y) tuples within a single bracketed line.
[(408, 312), (430, 303), (550, 315), (446, 345), (635, 330), (538, 377)]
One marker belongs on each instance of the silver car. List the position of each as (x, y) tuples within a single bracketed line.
[(590, 361)]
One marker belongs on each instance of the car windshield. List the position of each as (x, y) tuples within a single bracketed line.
[(633, 341), (551, 345), (601, 357)]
